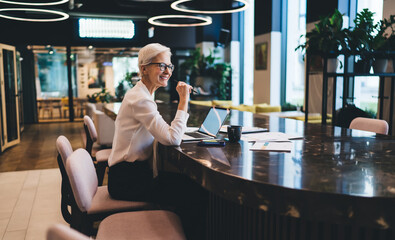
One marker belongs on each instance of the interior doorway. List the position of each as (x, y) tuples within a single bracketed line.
[(9, 111)]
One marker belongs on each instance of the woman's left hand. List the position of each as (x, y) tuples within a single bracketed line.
[(183, 90)]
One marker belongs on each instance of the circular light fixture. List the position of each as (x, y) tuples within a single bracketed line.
[(175, 6), (204, 20), (63, 16), (35, 4)]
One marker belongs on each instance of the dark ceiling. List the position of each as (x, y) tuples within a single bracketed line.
[(65, 32), (136, 9)]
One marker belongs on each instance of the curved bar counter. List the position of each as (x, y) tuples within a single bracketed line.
[(332, 177)]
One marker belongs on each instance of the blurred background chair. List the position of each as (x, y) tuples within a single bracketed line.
[(78, 105), (45, 106), (370, 124), (101, 156), (345, 115), (92, 203), (244, 108), (263, 108), (207, 103), (222, 103), (105, 126), (65, 106)]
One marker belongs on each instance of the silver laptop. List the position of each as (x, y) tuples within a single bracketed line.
[(210, 126)]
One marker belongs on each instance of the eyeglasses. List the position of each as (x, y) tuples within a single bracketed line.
[(163, 66)]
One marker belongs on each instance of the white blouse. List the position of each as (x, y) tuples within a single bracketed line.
[(137, 125)]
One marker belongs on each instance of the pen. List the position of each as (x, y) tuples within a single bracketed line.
[(193, 88)]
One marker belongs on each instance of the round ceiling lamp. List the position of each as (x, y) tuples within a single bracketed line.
[(177, 6), (61, 15), (199, 21), (58, 2)]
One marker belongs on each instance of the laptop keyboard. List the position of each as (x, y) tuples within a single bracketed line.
[(196, 135)]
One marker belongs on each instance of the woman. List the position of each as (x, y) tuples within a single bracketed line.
[(138, 123)]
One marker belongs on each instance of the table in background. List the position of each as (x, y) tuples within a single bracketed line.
[(48, 105), (335, 184)]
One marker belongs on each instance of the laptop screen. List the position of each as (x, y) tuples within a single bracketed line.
[(213, 121)]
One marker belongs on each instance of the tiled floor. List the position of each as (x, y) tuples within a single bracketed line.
[(30, 181), (29, 203)]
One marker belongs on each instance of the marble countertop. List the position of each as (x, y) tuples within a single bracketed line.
[(332, 174)]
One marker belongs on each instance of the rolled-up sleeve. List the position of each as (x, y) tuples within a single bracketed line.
[(146, 112)]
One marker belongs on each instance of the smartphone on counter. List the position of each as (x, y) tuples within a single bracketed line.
[(211, 143)]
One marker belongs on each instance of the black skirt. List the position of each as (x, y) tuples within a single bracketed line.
[(131, 181)]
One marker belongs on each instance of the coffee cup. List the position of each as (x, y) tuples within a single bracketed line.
[(234, 133)]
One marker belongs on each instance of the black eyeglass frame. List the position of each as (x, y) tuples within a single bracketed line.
[(164, 66)]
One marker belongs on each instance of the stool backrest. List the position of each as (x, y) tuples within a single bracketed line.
[(369, 124), (90, 132), (64, 151), (83, 178), (64, 148)]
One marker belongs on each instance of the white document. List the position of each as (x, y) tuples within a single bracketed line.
[(272, 146), (224, 129), (266, 136)]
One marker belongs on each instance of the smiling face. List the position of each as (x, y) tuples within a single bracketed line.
[(152, 76)]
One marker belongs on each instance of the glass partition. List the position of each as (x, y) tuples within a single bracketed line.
[(93, 69), (52, 75)]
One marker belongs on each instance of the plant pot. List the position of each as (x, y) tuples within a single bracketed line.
[(99, 106), (363, 66), (332, 64), (380, 65)]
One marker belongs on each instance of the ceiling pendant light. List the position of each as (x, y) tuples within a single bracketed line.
[(177, 5), (200, 21), (62, 15), (58, 2)]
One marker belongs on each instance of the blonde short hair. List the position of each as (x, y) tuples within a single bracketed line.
[(150, 51)]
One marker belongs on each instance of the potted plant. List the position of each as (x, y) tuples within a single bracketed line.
[(100, 97), (383, 42), (207, 75), (361, 40), (223, 74), (379, 47), (327, 39), (391, 39)]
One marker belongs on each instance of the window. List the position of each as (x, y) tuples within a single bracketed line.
[(52, 74), (366, 88), (123, 66), (296, 26)]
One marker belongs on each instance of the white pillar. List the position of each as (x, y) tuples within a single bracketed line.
[(249, 54)]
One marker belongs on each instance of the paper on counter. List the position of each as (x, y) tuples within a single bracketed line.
[(266, 136), (272, 146), (245, 130)]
